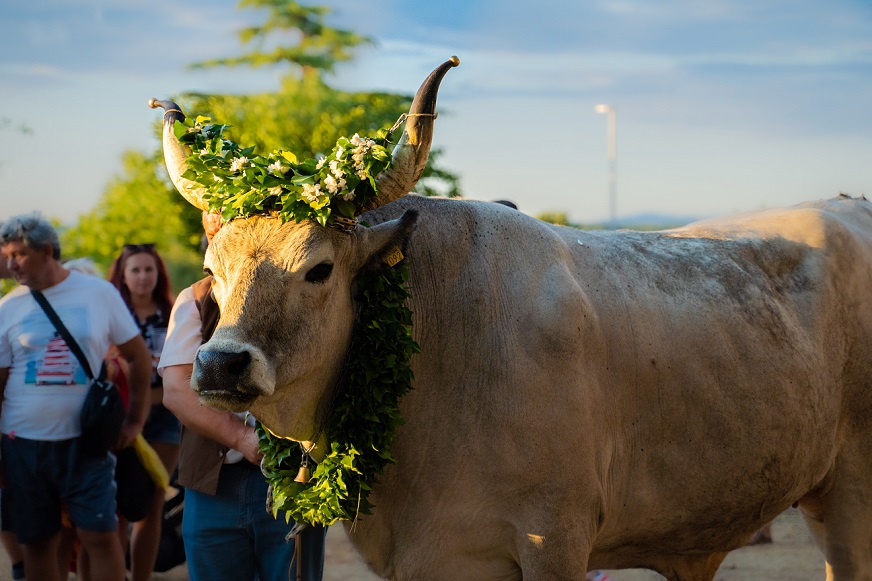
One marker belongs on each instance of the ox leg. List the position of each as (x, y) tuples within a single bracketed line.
[(841, 519), (811, 512)]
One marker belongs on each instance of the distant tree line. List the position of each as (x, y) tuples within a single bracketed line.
[(304, 115)]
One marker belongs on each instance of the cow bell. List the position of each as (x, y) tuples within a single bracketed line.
[(303, 475)]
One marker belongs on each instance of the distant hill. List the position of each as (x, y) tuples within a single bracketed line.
[(642, 221), (652, 221)]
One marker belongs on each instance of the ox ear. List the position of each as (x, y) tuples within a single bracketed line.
[(381, 243)]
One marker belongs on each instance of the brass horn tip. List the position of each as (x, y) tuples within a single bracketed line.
[(454, 61)]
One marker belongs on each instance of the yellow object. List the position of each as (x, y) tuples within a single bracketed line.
[(152, 463), (303, 475), (394, 257)]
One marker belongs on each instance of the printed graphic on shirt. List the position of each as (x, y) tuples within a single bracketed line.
[(156, 339), (154, 331), (49, 359), (58, 365)]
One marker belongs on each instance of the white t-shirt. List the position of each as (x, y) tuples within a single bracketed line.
[(184, 333), (184, 337), (47, 385)]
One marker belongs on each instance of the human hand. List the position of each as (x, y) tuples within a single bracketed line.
[(129, 430), (249, 446)]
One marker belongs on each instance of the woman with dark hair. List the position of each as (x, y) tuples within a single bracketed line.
[(150, 291), (140, 275)]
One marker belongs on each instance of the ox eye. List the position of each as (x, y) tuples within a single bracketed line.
[(319, 273), (208, 271)]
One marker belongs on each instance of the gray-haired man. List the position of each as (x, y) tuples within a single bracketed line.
[(43, 388)]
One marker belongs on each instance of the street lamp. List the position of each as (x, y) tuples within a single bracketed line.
[(613, 163)]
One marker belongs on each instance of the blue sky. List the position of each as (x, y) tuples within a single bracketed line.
[(722, 106)]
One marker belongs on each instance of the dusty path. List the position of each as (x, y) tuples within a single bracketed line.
[(792, 557)]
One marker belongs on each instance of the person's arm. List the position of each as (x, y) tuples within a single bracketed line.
[(139, 368), (4, 377), (223, 427)]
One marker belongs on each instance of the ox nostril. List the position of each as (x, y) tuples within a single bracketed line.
[(237, 363), (223, 365)]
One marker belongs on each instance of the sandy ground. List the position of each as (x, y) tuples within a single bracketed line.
[(792, 557)]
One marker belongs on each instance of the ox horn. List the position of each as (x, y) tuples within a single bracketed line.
[(175, 155), (410, 155)]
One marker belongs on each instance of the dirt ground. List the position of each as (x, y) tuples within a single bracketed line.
[(792, 557)]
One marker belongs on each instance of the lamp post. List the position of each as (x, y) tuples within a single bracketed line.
[(613, 163)]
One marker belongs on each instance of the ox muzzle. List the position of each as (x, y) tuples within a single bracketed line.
[(223, 379)]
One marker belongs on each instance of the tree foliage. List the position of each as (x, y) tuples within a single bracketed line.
[(292, 34), (305, 115), (139, 207)]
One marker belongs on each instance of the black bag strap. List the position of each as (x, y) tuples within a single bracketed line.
[(61, 328)]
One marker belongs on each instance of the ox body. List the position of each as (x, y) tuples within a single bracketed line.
[(581, 399)]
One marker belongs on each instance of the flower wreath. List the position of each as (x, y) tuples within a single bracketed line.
[(365, 414)]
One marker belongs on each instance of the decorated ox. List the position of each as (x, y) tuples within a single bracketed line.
[(581, 399)]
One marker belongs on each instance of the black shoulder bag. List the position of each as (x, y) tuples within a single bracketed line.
[(103, 411)]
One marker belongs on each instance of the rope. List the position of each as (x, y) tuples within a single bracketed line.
[(405, 116), (298, 549)]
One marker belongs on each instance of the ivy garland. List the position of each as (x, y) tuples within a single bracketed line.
[(365, 414)]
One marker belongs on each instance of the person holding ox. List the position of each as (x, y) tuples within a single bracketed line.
[(228, 532)]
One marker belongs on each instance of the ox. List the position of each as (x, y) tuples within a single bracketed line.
[(582, 399)]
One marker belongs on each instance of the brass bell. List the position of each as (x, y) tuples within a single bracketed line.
[(303, 475)]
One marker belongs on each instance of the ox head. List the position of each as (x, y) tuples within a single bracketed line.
[(285, 291)]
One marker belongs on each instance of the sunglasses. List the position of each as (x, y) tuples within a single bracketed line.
[(145, 247)]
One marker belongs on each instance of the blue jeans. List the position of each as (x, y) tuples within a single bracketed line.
[(231, 536)]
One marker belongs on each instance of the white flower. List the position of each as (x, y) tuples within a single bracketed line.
[(277, 168), (321, 162), (204, 151), (217, 179), (334, 168), (359, 167), (330, 184), (238, 163), (340, 184), (348, 196), (311, 193), (275, 191), (339, 152), (356, 140)]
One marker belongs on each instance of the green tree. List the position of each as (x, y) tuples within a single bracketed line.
[(306, 115), (304, 40), (140, 207)]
